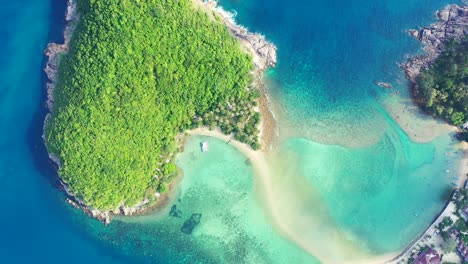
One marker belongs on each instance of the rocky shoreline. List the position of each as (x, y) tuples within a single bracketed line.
[(54, 52), (264, 56), (452, 24)]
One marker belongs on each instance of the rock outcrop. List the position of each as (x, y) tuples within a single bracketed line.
[(263, 51), (264, 55), (452, 24)]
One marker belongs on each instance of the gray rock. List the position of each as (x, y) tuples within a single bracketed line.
[(264, 52), (452, 25)]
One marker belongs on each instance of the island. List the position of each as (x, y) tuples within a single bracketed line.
[(130, 79)]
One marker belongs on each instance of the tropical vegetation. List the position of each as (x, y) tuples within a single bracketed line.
[(442, 89), (137, 74)]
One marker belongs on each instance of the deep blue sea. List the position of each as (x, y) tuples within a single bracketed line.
[(330, 54), (37, 226)]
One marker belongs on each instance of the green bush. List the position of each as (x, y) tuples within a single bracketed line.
[(443, 88)]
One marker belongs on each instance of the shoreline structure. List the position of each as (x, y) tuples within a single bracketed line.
[(262, 52), (448, 209)]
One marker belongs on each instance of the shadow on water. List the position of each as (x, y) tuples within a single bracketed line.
[(446, 195)]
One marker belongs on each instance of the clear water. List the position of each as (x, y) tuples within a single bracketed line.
[(345, 168), (380, 197), (331, 53), (339, 138)]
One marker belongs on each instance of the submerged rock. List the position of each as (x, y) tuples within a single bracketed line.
[(190, 224), (384, 85), (175, 212)]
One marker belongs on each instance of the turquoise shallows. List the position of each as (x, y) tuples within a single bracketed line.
[(378, 186), (219, 186)]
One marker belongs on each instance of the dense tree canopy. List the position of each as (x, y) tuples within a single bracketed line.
[(136, 75), (443, 88)]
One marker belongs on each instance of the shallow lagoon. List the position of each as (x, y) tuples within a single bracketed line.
[(233, 228)]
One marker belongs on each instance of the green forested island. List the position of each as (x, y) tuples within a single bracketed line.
[(137, 74), (442, 89)]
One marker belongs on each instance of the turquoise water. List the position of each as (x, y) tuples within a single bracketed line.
[(330, 54), (369, 180), (39, 226), (379, 197), (378, 187), (233, 227)]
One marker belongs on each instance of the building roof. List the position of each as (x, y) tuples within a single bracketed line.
[(463, 250), (454, 232), (429, 256)]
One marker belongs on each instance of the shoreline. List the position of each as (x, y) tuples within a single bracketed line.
[(450, 25), (264, 56), (267, 135), (406, 253), (433, 38), (447, 210), (53, 52), (262, 52)]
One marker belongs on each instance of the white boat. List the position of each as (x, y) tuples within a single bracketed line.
[(204, 146)]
